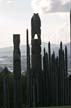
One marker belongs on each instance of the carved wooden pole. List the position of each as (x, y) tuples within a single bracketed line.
[(36, 60), (49, 73), (45, 78), (17, 71), (29, 84), (70, 64), (66, 78), (61, 75), (70, 39)]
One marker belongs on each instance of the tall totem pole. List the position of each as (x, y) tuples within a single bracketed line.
[(28, 72), (70, 38), (70, 64), (17, 71), (36, 60)]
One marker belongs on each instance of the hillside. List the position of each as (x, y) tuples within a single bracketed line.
[(6, 55)]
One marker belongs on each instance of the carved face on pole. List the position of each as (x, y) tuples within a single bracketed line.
[(35, 26)]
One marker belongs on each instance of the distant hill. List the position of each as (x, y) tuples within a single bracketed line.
[(1, 69), (6, 55)]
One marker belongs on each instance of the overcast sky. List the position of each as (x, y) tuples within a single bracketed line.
[(15, 17)]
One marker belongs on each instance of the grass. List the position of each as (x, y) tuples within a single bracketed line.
[(60, 107), (52, 107)]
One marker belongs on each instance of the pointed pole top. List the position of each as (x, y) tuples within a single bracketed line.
[(27, 36), (44, 51), (27, 31)]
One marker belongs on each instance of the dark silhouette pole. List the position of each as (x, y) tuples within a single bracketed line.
[(36, 60), (61, 75), (17, 71), (45, 79), (29, 90), (70, 39)]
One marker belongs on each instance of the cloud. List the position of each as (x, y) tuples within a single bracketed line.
[(64, 1), (11, 1), (1, 1), (8, 1), (62, 33), (45, 6)]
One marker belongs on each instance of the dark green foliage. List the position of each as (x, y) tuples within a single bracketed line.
[(1, 90), (24, 90), (11, 98)]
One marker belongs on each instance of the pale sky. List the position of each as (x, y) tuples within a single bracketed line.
[(15, 17)]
